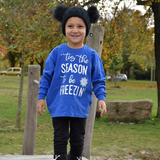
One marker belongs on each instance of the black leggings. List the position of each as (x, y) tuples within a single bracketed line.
[(61, 127)]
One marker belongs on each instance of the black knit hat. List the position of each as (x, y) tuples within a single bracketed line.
[(63, 13)]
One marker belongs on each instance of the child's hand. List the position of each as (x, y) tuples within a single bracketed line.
[(40, 104), (102, 105)]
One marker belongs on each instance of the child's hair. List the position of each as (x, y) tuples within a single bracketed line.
[(63, 13)]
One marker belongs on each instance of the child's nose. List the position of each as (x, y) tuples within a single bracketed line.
[(75, 29)]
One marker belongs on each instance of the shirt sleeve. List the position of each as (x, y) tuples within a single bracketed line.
[(47, 76), (98, 77)]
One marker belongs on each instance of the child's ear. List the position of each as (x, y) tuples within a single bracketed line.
[(93, 14), (59, 11)]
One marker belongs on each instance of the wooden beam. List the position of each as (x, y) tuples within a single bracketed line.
[(31, 112), (95, 41)]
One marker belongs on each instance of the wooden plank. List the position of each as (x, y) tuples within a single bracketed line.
[(95, 41), (31, 113), (25, 157)]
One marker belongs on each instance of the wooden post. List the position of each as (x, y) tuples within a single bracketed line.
[(31, 113), (94, 40)]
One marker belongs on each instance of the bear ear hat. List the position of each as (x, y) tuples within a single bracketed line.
[(92, 11), (93, 14), (59, 12)]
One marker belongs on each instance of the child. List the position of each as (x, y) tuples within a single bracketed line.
[(71, 71)]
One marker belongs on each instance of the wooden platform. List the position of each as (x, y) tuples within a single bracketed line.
[(34, 157)]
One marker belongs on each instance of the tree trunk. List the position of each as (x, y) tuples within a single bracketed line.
[(11, 58), (128, 71), (115, 74), (156, 10), (151, 75), (41, 63), (18, 120), (118, 80), (154, 73)]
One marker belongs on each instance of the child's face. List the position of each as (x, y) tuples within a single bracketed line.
[(75, 30)]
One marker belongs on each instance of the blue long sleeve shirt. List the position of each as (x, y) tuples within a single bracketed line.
[(68, 79)]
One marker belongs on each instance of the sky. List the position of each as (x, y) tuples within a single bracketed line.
[(128, 3)]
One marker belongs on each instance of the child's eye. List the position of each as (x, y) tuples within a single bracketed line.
[(69, 26), (80, 26)]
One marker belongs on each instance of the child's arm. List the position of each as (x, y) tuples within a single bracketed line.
[(102, 105), (40, 104), (48, 73), (98, 81)]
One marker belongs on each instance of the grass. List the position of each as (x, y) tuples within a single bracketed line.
[(110, 139)]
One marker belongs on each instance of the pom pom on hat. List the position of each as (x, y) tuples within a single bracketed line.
[(63, 13), (59, 12), (93, 14)]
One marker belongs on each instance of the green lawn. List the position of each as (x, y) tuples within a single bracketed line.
[(110, 139)]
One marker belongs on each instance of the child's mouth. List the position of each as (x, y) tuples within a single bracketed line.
[(75, 36)]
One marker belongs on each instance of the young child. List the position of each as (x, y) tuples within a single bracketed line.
[(71, 71)]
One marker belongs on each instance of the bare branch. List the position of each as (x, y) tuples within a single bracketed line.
[(90, 2), (139, 2)]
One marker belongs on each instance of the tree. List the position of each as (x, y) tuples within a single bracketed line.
[(151, 59), (12, 57), (112, 39), (19, 24), (116, 65), (9, 41), (155, 5), (134, 34), (127, 27), (24, 5)]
